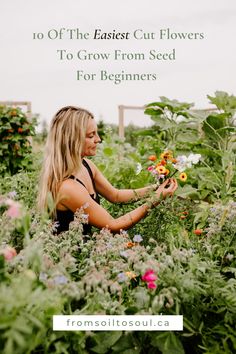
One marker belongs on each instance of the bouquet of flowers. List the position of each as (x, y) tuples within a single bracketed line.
[(167, 166)]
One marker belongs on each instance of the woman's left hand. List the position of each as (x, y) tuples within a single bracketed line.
[(167, 188)]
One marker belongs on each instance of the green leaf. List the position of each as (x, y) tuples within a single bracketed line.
[(176, 103), (125, 343), (213, 124), (132, 310), (105, 340), (187, 137), (167, 343), (108, 151), (187, 191), (157, 104), (131, 351), (153, 111), (223, 101)]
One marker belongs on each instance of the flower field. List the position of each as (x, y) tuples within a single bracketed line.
[(180, 259)]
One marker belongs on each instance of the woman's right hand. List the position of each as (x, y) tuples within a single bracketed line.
[(167, 188)]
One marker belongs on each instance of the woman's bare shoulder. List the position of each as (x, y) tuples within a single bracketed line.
[(72, 195), (69, 185)]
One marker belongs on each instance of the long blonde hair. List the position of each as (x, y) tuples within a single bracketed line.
[(64, 146)]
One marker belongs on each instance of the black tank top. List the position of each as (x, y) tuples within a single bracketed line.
[(64, 217)]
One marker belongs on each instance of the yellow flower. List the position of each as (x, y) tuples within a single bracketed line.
[(167, 155), (161, 170), (167, 172), (183, 176), (130, 275)]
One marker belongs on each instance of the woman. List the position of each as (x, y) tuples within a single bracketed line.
[(74, 181)]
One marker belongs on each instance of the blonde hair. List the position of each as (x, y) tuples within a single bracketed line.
[(64, 146)]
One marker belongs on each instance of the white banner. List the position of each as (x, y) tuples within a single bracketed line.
[(118, 323)]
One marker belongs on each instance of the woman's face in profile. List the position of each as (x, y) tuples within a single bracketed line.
[(91, 140)]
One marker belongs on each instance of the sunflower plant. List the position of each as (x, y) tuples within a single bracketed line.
[(166, 166)]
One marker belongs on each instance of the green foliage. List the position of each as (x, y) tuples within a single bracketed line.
[(213, 135), (24, 183), (15, 147), (168, 343), (101, 129), (224, 101), (172, 117)]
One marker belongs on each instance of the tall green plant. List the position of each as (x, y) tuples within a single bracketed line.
[(219, 145), (172, 117)]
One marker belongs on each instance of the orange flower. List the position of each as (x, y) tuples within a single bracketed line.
[(198, 232), (183, 176), (183, 213), (163, 162), (130, 244), (173, 160), (167, 155), (161, 170), (152, 157), (20, 130), (182, 217)]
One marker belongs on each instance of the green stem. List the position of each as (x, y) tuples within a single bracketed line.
[(204, 144), (173, 173), (212, 171), (216, 134), (229, 244)]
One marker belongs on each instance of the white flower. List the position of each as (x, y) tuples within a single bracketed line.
[(194, 158), (229, 257), (124, 254), (167, 113), (184, 162), (12, 194), (60, 279), (138, 168), (85, 218), (137, 238), (160, 176), (43, 276), (180, 119), (121, 277)]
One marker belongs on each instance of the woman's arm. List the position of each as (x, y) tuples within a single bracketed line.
[(114, 195), (74, 196), (126, 195)]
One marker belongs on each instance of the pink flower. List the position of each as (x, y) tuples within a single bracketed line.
[(8, 253), (14, 209), (149, 276), (151, 285), (150, 168)]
